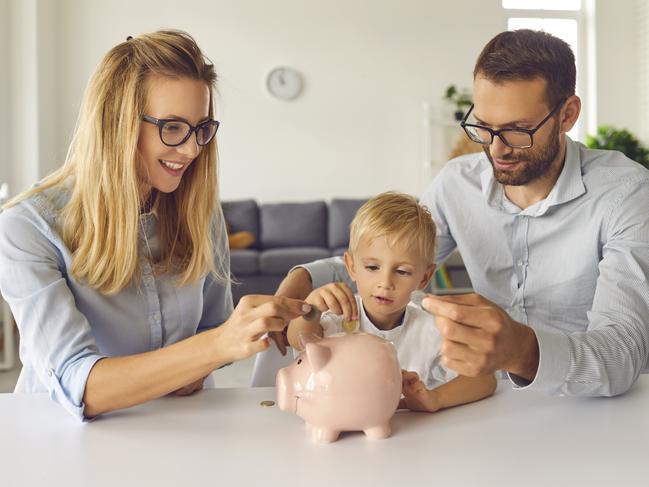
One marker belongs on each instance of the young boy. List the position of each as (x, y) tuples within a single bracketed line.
[(391, 252)]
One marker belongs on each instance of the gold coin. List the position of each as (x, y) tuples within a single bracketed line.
[(267, 404), (350, 326)]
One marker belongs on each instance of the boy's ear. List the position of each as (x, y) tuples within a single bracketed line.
[(349, 264), (430, 270)]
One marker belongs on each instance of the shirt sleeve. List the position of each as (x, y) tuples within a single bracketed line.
[(217, 293), (606, 359), (433, 200), (324, 271), (56, 337)]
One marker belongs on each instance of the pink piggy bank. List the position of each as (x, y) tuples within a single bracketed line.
[(343, 383)]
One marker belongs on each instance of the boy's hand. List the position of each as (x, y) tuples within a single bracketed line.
[(336, 297), (416, 396)]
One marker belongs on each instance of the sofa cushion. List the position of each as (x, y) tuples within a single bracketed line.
[(280, 261), (293, 224), (339, 251), (341, 214), (242, 216), (244, 262)]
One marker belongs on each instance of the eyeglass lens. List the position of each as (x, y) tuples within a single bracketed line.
[(512, 138), (175, 132)]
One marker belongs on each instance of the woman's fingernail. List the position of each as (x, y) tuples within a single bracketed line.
[(306, 307)]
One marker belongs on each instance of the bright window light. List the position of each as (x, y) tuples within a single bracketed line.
[(542, 4)]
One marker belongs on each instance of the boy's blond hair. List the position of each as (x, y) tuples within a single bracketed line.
[(399, 218)]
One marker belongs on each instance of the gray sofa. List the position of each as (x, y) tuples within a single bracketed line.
[(286, 235)]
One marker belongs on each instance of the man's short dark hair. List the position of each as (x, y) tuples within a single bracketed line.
[(529, 54)]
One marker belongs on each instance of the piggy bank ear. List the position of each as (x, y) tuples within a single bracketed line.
[(307, 337), (317, 355)]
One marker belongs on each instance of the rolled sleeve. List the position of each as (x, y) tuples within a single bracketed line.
[(59, 348), (68, 389)]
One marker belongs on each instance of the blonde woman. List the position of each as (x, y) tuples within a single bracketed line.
[(116, 266)]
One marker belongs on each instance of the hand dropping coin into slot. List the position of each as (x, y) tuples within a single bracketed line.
[(349, 326)]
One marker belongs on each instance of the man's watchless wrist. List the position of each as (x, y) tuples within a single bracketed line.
[(526, 363)]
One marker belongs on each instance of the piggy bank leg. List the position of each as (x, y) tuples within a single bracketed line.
[(322, 435), (378, 432)]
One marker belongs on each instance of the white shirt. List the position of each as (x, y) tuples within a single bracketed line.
[(574, 266), (416, 339)]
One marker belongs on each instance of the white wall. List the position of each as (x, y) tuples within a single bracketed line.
[(617, 63), (4, 89), (642, 41), (368, 65)]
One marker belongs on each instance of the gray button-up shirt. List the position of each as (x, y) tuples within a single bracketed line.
[(66, 326), (573, 266)]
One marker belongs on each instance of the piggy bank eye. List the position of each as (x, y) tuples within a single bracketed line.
[(299, 361)]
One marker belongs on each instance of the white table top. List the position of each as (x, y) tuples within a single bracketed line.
[(224, 437)]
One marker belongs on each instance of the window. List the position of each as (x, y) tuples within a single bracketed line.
[(565, 20)]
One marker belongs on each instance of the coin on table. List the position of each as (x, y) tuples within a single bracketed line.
[(267, 404), (350, 326)]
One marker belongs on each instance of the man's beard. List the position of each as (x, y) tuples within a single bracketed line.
[(534, 164)]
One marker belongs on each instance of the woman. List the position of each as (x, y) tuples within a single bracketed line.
[(115, 262)]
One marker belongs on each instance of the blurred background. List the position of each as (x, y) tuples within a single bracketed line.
[(378, 84)]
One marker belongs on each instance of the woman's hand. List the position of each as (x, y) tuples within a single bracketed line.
[(245, 332)]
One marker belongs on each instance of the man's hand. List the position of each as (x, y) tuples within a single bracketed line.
[(480, 337)]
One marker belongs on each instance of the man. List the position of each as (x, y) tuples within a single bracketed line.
[(555, 237)]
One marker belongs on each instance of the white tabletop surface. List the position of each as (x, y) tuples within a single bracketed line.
[(223, 437)]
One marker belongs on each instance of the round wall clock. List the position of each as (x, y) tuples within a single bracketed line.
[(284, 83)]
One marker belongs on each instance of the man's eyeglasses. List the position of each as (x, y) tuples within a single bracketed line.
[(514, 138), (175, 132)]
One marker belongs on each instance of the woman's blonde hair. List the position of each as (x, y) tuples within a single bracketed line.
[(101, 221), (400, 219)]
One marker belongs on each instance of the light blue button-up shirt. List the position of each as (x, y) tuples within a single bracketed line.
[(573, 266), (66, 326)]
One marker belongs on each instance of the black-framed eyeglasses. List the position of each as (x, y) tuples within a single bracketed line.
[(516, 138), (174, 132)]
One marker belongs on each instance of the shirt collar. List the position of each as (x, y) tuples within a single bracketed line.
[(387, 334), (569, 185)]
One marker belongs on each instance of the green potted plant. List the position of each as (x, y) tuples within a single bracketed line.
[(460, 99), (610, 138)]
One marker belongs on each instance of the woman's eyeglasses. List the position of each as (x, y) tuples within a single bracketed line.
[(174, 132)]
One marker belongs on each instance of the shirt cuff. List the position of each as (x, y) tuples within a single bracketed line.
[(68, 389), (554, 363)]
